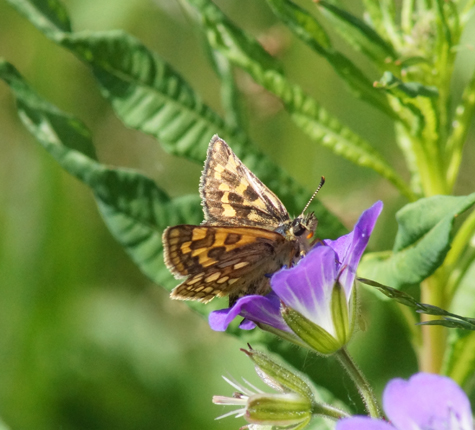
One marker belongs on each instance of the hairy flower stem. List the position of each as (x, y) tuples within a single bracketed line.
[(362, 384)]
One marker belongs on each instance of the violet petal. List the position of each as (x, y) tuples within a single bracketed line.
[(307, 287), (427, 401), (362, 423), (254, 308), (350, 247)]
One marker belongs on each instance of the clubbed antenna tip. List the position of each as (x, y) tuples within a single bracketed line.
[(320, 185)]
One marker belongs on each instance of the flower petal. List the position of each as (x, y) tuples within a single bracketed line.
[(255, 309), (307, 287), (363, 423), (427, 401), (350, 247)]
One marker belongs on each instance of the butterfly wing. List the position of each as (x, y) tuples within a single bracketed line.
[(218, 261), (233, 195)]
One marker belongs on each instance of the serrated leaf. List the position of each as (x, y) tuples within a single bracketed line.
[(401, 89), (230, 95), (357, 33), (48, 16), (450, 323), (450, 320), (422, 242), (375, 15), (302, 24), (134, 208), (309, 30), (305, 111), (149, 95)]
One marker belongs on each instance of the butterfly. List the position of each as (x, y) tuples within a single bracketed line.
[(246, 236)]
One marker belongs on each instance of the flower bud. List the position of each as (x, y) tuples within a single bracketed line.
[(276, 376), (285, 409)]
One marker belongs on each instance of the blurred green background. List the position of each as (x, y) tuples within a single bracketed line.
[(86, 341)]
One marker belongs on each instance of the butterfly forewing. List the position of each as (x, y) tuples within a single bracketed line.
[(233, 195), (218, 261)]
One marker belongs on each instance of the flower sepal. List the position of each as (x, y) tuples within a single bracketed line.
[(278, 377), (341, 317), (312, 334), (284, 409)]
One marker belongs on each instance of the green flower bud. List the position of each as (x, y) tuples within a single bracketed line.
[(287, 409)]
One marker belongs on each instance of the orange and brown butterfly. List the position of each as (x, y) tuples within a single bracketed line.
[(246, 236)]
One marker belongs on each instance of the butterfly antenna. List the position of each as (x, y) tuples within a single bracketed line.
[(320, 185)]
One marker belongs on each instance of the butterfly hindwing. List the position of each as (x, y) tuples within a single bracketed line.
[(233, 195), (220, 260)]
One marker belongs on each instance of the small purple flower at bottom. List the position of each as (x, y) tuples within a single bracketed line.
[(425, 402)]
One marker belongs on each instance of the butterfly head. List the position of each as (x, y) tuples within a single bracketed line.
[(304, 225)]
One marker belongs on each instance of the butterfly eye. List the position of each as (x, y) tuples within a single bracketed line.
[(310, 235), (298, 229)]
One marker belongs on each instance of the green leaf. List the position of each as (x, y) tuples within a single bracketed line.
[(3, 426), (147, 94), (48, 16), (230, 95), (309, 30), (357, 33), (132, 205), (417, 219), (302, 24), (460, 126), (422, 242), (375, 15), (134, 208), (401, 89), (450, 320), (305, 111)]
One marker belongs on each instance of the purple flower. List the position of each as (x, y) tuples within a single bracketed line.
[(319, 288), (309, 288), (425, 402)]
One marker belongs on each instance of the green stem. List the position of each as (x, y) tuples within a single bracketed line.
[(361, 383), (461, 124), (459, 272), (463, 236), (432, 179), (461, 256), (413, 332), (329, 411), (433, 337), (407, 17), (463, 367)]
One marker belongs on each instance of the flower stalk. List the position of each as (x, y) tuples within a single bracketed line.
[(360, 381)]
